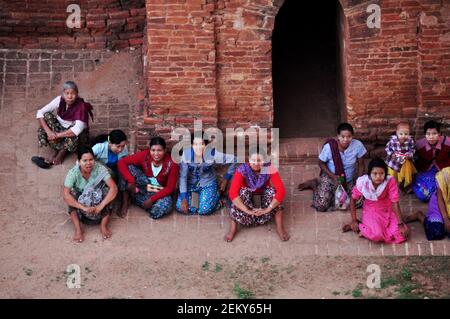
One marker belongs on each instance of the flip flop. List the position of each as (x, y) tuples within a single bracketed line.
[(40, 161)]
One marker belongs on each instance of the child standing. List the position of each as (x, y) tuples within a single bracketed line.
[(381, 216), (400, 151)]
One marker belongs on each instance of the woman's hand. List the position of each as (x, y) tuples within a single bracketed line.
[(223, 186), (132, 189), (148, 203), (263, 211), (184, 206), (98, 209), (51, 136), (90, 210)]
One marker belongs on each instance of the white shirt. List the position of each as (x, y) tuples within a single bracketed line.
[(76, 126)]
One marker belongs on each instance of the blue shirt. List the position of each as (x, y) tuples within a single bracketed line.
[(349, 157), (194, 175)]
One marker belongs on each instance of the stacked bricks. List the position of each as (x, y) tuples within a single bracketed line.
[(112, 24), (398, 72)]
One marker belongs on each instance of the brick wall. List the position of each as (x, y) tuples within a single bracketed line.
[(110, 81), (110, 24), (398, 72)]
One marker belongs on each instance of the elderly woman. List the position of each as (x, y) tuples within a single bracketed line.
[(199, 191), (432, 155), (339, 160), (64, 131), (253, 179), (150, 178), (89, 190)]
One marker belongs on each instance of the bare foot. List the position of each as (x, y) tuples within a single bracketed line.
[(311, 184), (414, 217), (283, 234), (346, 228), (59, 158), (232, 232), (122, 212), (78, 237), (106, 233)]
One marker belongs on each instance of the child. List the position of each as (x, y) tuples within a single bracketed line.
[(437, 220), (108, 150), (400, 151), (381, 216)]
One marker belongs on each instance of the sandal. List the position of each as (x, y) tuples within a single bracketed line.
[(40, 161)]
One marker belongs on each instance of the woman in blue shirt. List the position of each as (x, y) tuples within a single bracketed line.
[(108, 150), (198, 178)]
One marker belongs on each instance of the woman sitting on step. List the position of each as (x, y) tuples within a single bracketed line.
[(252, 180), (66, 130), (89, 191), (199, 192), (338, 162), (432, 155), (437, 220), (150, 178)]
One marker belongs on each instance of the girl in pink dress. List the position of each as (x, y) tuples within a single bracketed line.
[(381, 217)]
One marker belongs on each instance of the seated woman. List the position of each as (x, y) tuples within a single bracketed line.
[(89, 190), (257, 177), (66, 130), (108, 150), (381, 217), (150, 178), (432, 155), (198, 178), (337, 162), (437, 220)]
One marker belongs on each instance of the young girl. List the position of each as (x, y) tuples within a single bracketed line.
[(433, 154), (108, 150), (197, 175), (437, 220), (89, 190), (400, 151), (152, 167), (66, 130), (381, 216)]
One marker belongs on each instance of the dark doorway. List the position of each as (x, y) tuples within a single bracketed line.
[(306, 67)]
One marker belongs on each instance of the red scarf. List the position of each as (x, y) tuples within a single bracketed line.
[(337, 160), (78, 111)]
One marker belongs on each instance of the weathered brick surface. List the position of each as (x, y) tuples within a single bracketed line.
[(33, 24), (398, 72), (31, 78)]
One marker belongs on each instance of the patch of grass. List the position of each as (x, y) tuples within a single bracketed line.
[(242, 293), (218, 268), (406, 274), (390, 281), (336, 293), (205, 266), (265, 259), (356, 293)]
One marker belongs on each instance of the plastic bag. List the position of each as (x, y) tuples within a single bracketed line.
[(341, 198)]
